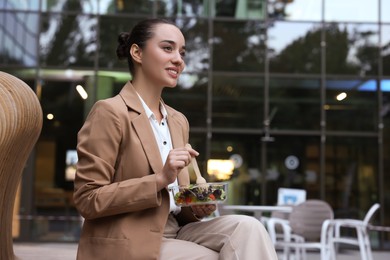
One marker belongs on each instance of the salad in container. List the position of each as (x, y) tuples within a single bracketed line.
[(196, 194)]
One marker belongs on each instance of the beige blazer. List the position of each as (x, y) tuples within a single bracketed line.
[(115, 185)]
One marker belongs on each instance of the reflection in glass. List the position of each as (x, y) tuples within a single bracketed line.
[(18, 34), (385, 7), (19, 5), (237, 101), (351, 174), (240, 9), (295, 103), (68, 40), (351, 10), (360, 104), (352, 49), (294, 47), (131, 7), (109, 29), (385, 50), (190, 98), (195, 32), (303, 174), (245, 182), (245, 54), (299, 10), (82, 6), (188, 8)]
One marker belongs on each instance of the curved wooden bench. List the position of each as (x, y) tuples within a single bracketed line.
[(20, 126)]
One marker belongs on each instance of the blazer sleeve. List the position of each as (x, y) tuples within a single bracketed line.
[(96, 194)]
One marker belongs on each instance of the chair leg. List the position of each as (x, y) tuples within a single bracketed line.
[(362, 244), (367, 245)]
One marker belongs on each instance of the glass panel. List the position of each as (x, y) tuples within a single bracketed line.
[(295, 10), (68, 40), (239, 46), (295, 47), (190, 98), (293, 162), (19, 5), (237, 101), (131, 7), (294, 103), (352, 49), (351, 10), (187, 8), (245, 179), (81, 6), (197, 44), (385, 50), (109, 29), (63, 116), (351, 105), (240, 9), (385, 15), (385, 182), (18, 38), (351, 175)]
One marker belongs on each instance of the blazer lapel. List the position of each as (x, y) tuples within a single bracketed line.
[(142, 126)]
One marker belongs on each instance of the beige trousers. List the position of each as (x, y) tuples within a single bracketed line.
[(237, 237)]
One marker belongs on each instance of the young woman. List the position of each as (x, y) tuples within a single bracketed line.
[(131, 147)]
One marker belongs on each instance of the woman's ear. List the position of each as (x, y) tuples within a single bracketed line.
[(136, 53)]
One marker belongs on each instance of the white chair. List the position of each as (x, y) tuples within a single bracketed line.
[(362, 239), (307, 227)]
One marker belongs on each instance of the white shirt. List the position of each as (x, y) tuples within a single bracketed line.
[(164, 142)]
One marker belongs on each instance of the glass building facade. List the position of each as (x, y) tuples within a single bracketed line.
[(295, 92)]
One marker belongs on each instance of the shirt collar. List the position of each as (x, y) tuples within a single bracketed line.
[(149, 112)]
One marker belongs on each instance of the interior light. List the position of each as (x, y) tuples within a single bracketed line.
[(221, 169), (229, 148), (82, 92), (50, 116), (341, 96)]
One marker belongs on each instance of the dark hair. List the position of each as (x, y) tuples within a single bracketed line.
[(139, 35)]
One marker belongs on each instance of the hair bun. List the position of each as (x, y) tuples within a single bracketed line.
[(122, 51)]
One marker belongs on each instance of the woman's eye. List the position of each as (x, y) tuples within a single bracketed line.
[(168, 48), (183, 54)]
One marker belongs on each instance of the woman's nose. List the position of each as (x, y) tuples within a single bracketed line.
[(178, 59)]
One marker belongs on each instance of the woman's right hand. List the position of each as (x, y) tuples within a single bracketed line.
[(177, 159)]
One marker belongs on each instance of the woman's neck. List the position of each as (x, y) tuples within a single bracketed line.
[(151, 95)]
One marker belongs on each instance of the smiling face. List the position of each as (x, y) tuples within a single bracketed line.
[(162, 59)]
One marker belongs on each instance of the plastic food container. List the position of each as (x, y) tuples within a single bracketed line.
[(195, 194)]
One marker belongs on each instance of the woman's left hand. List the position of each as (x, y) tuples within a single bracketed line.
[(201, 211)]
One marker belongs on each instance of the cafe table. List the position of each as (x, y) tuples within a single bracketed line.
[(257, 210)]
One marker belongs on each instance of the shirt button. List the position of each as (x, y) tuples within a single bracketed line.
[(164, 143), (162, 123)]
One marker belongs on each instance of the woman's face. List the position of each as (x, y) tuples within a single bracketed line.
[(163, 56)]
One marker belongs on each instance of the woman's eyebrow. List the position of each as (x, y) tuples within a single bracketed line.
[(173, 43)]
